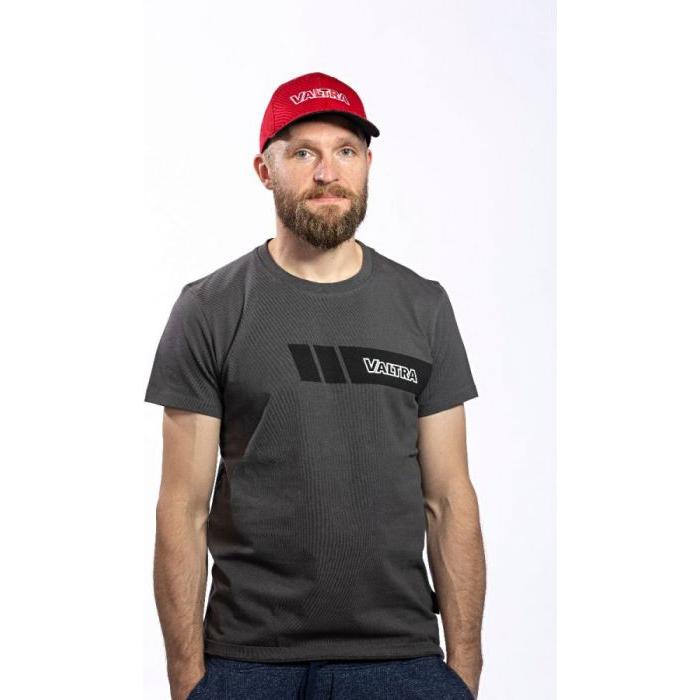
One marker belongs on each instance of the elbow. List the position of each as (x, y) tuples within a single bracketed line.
[(458, 504), (183, 513)]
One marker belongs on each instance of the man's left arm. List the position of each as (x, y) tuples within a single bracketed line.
[(455, 546)]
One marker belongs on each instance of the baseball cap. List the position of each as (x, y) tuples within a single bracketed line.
[(312, 93)]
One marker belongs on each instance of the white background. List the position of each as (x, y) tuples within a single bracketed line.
[(461, 189), (113, 195)]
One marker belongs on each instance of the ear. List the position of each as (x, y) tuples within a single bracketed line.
[(262, 171)]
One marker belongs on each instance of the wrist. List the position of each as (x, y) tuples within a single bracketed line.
[(182, 674), (468, 661)]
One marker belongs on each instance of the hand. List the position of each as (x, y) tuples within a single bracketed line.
[(463, 671), (182, 685)]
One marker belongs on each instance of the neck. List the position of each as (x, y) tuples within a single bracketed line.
[(300, 258)]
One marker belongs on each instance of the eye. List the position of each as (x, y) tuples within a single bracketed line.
[(301, 150), (351, 151)]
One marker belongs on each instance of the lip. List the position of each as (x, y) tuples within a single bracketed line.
[(327, 199)]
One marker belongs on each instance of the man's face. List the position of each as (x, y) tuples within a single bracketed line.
[(318, 176)]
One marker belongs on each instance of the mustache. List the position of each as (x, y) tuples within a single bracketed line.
[(331, 192)]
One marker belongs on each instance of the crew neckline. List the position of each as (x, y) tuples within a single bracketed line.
[(357, 280)]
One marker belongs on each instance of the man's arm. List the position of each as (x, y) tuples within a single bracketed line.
[(455, 547), (190, 451)]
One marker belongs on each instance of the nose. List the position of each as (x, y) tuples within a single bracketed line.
[(325, 170)]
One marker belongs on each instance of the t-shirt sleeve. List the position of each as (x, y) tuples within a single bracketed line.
[(184, 373), (450, 382)]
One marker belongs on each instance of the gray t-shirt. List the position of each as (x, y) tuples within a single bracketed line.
[(317, 524)]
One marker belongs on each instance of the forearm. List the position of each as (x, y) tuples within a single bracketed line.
[(179, 577), (457, 563)]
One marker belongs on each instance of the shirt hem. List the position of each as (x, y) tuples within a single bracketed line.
[(169, 399), (317, 651), (436, 406)]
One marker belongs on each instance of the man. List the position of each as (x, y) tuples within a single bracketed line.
[(333, 379)]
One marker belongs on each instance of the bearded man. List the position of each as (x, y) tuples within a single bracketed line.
[(331, 379)]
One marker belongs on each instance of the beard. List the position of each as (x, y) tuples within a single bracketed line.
[(326, 226)]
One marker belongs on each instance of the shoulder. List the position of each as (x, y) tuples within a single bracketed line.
[(409, 283), (223, 288)]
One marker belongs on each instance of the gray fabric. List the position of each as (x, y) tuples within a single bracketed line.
[(317, 522)]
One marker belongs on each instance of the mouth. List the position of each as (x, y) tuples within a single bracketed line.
[(327, 199)]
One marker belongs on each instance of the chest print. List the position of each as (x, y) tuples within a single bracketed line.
[(342, 364)]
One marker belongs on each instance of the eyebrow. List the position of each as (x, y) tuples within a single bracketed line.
[(299, 142)]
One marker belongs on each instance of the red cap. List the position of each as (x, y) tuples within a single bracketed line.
[(312, 93)]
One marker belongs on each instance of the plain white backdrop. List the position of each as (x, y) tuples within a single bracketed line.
[(127, 132), (461, 189)]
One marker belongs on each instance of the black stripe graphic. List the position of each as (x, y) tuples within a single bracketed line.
[(330, 365), (374, 366), (304, 361)]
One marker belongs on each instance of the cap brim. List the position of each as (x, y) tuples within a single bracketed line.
[(366, 125)]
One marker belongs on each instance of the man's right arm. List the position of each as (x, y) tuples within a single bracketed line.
[(190, 453)]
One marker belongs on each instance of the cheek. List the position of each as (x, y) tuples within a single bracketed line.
[(292, 183), (299, 179), (358, 178)]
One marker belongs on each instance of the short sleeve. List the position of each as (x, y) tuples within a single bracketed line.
[(450, 382), (184, 373)]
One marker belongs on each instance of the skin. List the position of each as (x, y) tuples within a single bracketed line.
[(190, 445), (315, 241), (455, 545)]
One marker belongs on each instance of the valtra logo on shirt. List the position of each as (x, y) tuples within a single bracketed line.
[(342, 364), (376, 366), (319, 92)]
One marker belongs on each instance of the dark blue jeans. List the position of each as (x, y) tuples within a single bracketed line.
[(424, 677)]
